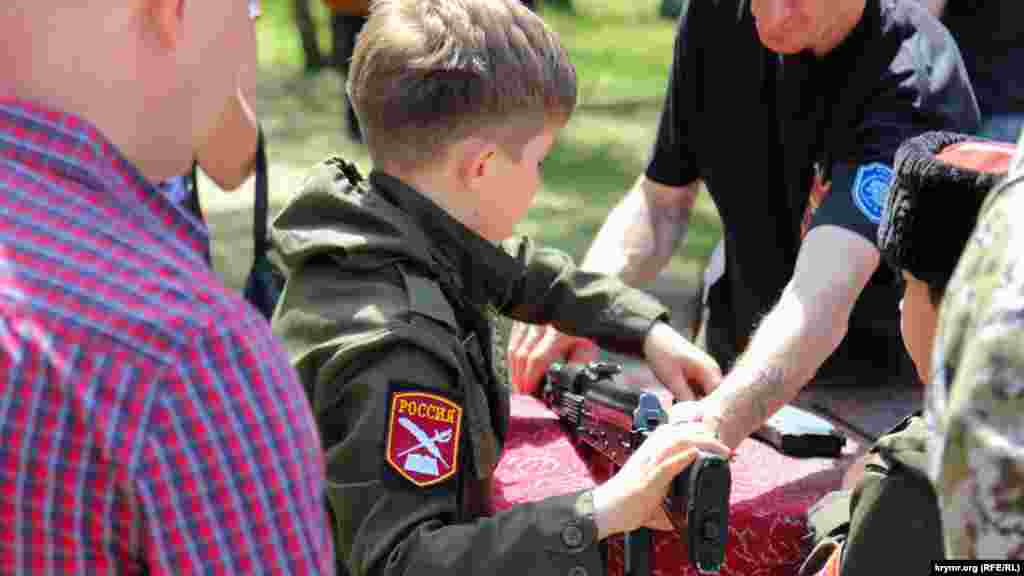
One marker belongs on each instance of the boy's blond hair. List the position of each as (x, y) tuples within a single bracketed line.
[(428, 73)]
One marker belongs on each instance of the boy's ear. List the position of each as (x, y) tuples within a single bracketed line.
[(165, 19), (476, 161)]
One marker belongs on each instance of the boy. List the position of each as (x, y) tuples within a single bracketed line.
[(941, 181), (391, 284)]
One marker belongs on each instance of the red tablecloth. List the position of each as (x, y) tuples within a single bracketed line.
[(770, 494)]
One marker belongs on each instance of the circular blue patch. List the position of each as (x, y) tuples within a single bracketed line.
[(870, 188)]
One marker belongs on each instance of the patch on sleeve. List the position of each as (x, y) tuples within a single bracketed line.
[(870, 188), (423, 436)]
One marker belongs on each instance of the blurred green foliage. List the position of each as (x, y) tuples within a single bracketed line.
[(622, 52)]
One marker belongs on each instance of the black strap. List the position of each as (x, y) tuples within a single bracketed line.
[(192, 199), (260, 208)]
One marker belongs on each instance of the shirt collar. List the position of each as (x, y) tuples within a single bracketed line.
[(483, 270), (72, 148)]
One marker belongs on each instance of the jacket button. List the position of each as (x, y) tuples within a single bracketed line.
[(572, 536), (577, 571)]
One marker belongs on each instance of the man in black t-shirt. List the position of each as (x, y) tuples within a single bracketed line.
[(990, 35), (790, 112)]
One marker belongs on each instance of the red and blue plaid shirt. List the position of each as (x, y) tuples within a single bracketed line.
[(148, 420)]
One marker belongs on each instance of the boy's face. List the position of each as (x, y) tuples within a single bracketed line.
[(918, 317), (512, 184)]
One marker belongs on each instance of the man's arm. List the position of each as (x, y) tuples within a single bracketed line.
[(798, 335), (642, 232)]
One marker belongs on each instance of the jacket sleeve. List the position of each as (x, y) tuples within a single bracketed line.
[(602, 308), (353, 364), (385, 524)]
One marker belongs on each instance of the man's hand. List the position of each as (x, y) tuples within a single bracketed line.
[(531, 349), (632, 498), (683, 368)]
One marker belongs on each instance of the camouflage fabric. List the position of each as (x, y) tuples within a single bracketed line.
[(976, 401)]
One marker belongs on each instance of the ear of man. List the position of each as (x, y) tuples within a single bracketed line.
[(165, 19)]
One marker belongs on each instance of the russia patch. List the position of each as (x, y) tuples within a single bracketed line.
[(423, 436), (870, 188)]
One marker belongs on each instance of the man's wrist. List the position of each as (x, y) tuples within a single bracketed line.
[(713, 423), (712, 416)]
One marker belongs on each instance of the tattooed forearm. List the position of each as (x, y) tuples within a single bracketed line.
[(642, 232), (799, 334), (754, 393), (767, 390)]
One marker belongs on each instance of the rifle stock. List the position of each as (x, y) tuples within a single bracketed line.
[(613, 419)]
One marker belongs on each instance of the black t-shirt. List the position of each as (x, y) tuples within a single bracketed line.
[(990, 34), (788, 143)]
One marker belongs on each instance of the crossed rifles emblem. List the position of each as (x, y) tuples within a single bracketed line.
[(427, 442), (424, 431)]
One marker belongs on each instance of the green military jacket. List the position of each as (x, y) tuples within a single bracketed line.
[(976, 399), (386, 316)]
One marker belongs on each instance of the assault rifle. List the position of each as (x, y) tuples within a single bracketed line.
[(613, 419)]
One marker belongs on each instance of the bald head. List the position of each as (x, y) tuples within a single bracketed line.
[(152, 75)]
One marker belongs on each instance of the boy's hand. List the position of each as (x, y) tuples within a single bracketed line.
[(683, 368), (675, 361), (632, 498), (531, 349)]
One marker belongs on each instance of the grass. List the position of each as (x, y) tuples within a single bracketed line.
[(622, 56), (622, 53)]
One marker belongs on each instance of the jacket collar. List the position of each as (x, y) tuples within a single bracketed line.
[(480, 270)]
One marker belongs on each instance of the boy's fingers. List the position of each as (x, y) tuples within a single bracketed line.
[(515, 337), (526, 342), (515, 340), (552, 346), (706, 376), (707, 443), (659, 521), (663, 473), (675, 437), (583, 352), (674, 465)]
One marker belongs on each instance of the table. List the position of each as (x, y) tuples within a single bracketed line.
[(770, 493)]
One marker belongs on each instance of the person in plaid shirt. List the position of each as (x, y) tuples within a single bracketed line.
[(149, 422)]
